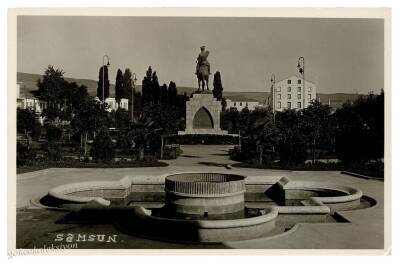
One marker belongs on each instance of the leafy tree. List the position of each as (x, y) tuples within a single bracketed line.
[(244, 119), (73, 96), (119, 86), (217, 83), (164, 94), (122, 118), (360, 130), (91, 117), (230, 120), (50, 89), (292, 144), (127, 84), (142, 134), (155, 88), (103, 147), (262, 134), (103, 80), (50, 86), (147, 88), (315, 125)]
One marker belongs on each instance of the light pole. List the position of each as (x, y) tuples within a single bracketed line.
[(301, 68), (104, 65), (133, 94), (273, 81)]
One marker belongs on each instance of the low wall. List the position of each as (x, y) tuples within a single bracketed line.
[(345, 197), (206, 231)]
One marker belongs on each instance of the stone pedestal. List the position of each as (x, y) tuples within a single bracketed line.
[(203, 114)]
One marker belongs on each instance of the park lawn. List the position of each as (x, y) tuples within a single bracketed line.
[(78, 164)]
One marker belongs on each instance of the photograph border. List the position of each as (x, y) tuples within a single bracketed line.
[(378, 13)]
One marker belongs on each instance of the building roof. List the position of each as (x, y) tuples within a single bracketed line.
[(294, 76)]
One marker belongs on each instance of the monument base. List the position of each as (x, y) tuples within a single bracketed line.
[(203, 132)]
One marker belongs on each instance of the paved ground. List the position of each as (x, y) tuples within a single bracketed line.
[(364, 231)]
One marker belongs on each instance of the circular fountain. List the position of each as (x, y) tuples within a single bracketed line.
[(204, 193), (203, 207)]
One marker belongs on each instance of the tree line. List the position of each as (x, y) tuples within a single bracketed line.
[(73, 112), (354, 133)]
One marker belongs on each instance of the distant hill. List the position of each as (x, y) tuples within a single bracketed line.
[(28, 83)]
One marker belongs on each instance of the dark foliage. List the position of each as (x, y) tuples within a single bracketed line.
[(360, 130), (53, 133), (25, 155), (202, 139), (217, 83), (103, 147), (119, 86), (103, 81)]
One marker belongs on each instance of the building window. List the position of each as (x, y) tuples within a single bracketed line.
[(247, 104), (299, 81), (298, 96), (289, 89), (234, 104), (289, 81), (289, 105), (278, 96), (278, 89), (298, 104), (278, 105), (299, 89), (289, 96), (309, 88), (240, 103), (309, 96)]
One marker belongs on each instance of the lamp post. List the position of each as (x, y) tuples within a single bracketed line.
[(133, 94), (301, 68), (108, 64), (273, 81)]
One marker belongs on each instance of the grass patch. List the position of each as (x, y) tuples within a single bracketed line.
[(78, 164), (367, 170)]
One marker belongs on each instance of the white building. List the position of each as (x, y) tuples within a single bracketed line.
[(240, 105), (290, 93), (114, 105)]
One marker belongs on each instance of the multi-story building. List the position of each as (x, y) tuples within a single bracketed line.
[(240, 105), (290, 93)]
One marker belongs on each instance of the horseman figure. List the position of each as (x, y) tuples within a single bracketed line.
[(203, 68)]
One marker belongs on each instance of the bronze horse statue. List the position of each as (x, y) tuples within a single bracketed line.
[(202, 76)]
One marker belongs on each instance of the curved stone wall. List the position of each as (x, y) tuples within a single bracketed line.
[(205, 184), (206, 231), (204, 193)]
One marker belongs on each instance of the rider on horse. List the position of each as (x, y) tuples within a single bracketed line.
[(202, 60)]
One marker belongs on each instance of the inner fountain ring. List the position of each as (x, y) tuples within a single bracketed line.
[(205, 184), (204, 193)]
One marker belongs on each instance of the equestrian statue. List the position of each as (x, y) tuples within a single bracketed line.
[(203, 68)]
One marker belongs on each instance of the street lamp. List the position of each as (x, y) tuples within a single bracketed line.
[(301, 68), (273, 81), (133, 93), (108, 64)]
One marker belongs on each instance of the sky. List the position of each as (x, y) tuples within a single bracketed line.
[(341, 55)]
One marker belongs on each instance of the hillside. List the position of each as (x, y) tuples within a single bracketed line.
[(28, 83)]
